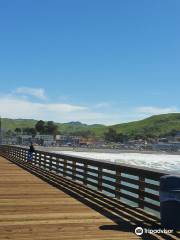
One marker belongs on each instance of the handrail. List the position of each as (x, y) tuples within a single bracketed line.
[(135, 186)]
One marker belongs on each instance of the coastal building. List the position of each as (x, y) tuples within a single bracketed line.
[(67, 140), (171, 146), (45, 140), (24, 139)]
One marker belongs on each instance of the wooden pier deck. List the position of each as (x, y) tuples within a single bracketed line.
[(47, 207)]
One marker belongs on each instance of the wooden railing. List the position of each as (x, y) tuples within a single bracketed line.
[(138, 187)]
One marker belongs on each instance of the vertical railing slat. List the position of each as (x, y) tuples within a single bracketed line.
[(141, 191), (100, 178), (117, 183)]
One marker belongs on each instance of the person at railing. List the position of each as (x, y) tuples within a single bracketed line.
[(30, 153)]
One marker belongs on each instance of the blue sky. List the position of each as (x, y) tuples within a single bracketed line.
[(97, 61)]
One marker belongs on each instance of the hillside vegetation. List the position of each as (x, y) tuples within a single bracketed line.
[(159, 125)]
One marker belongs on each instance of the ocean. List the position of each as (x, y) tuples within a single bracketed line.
[(167, 162)]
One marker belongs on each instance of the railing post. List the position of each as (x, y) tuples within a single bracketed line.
[(65, 168), (100, 178), (73, 170), (24, 155), (141, 191), (41, 164), (16, 153), (45, 162), (57, 165), (117, 184), (50, 163), (85, 173), (8, 153)]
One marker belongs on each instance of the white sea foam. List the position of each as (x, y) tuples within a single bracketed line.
[(156, 161)]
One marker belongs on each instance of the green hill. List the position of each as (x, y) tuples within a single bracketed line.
[(158, 125), (64, 128), (12, 124)]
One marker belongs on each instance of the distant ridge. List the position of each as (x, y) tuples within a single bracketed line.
[(76, 123), (155, 125)]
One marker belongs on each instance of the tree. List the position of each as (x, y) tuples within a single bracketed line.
[(17, 130), (111, 135), (9, 133), (40, 126), (120, 137), (173, 132), (32, 131), (51, 128), (29, 131)]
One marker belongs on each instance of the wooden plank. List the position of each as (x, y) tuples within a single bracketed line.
[(32, 209)]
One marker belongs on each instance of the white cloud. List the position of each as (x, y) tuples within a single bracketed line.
[(102, 105), (155, 110), (12, 106), (35, 92), (16, 107), (61, 107)]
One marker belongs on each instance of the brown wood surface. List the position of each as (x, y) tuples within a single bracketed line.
[(32, 209)]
